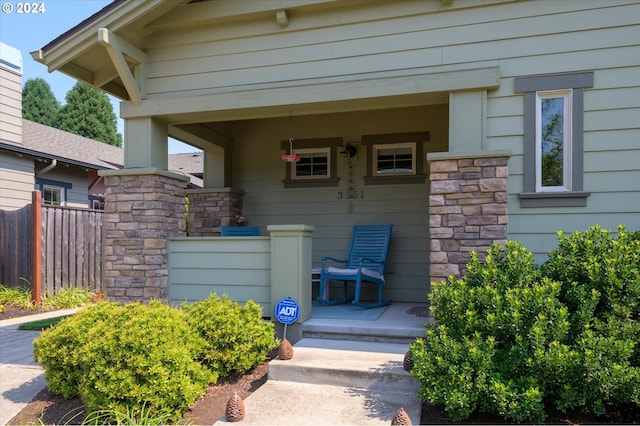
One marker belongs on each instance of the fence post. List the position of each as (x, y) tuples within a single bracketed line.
[(36, 249)]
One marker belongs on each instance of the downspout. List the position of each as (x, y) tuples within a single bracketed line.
[(47, 169)]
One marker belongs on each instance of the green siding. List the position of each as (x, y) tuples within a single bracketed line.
[(259, 171), (237, 267), (344, 42)]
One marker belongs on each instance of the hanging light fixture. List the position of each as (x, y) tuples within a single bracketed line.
[(290, 157)]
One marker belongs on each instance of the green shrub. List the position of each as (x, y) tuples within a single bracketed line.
[(60, 348), (237, 336), (600, 276), (511, 338), (118, 358), (498, 342)]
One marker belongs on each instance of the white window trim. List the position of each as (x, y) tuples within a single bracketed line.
[(60, 190), (326, 151), (567, 140), (378, 147)]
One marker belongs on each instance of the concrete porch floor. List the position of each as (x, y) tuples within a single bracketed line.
[(399, 324)]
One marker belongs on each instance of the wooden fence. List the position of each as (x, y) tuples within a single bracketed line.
[(70, 248)]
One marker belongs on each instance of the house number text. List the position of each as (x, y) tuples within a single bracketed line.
[(350, 195)]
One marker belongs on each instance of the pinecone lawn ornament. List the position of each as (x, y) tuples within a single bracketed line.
[(408, 361), (235, 408), (401, 418), (285, 351)]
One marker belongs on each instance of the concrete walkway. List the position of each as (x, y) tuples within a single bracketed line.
[(21, 378), (335, 382)]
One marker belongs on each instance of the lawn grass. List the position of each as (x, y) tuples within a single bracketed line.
[(42, 324)]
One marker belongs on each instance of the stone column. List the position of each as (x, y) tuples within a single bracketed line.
[(467, 208), (143, 207), (210, 208)]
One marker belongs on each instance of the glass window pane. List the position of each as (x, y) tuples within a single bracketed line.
[(552, 141), (51, 196), (312, 164), (395, 160)]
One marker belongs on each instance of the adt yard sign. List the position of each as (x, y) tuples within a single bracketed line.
[(287, 311)]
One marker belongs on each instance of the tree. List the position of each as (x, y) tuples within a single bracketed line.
[(89, 113), (38, 102)]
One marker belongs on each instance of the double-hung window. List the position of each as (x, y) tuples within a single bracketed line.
[(314, 163), (553, 139), (54, 193), (317, 166), (395, 158)]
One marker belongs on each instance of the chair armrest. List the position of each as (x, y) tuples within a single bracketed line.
[(332, 259), (366, 259)]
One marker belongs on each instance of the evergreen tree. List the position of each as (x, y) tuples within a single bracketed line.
[(38, 102), (89, 113)]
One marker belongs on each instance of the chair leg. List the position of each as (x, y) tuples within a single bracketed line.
[(324, 287), (380, 303)]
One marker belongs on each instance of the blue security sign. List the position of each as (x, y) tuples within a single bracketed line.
[(287, 311)]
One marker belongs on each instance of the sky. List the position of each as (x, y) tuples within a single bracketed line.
[(29, 32)]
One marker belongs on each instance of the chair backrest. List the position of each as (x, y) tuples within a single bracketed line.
[(240, 231), (372, 242)]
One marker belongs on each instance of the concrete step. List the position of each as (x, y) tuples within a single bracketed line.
[(365, 331), (336, 382), (345, 363)]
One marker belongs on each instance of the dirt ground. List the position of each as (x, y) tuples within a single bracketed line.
[(51, 409)]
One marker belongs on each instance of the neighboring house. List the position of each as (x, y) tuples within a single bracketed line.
[(473, 121), (62, 165)]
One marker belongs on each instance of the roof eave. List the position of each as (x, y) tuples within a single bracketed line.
[(39, 154), (60, 53)]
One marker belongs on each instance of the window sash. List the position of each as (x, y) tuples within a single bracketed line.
[(553, 141), (394, 159), (315, 163), (52, 195)]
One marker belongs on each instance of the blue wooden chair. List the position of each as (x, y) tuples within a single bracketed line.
[(240, 231), (365, 263)]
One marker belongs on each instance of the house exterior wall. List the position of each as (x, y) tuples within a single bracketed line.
[(16, 181), (349, 69), (352, 43), (74, 179), (16, 173), (10, 105), (602, 37)]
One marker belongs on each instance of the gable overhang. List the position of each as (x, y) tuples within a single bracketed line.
[(101, 50), (106, 50)]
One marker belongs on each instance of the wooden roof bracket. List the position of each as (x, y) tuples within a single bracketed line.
[(117, 48)]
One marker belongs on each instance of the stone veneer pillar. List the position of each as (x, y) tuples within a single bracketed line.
[(210, 208), (143, 207), (467, 208)]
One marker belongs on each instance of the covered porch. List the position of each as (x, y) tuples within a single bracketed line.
[(395, 136), (268, 268)]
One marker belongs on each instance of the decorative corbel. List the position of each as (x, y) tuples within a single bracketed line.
[(117, 48), (282, 19)]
